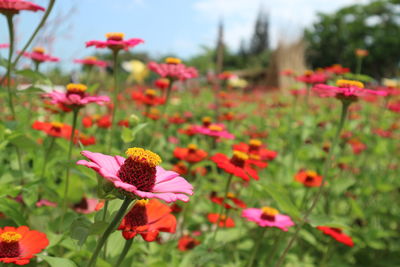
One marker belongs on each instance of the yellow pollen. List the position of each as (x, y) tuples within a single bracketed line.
[(254, 156), (255, 142), (311, 173), (115, 35), (206, 119), (222, 218), (240, 155), (91, 58), (142, 202), (215, 128), (230, 195), (173, 60), (269, 211), (56, 124), (143, 155), (150, 92), (76, 87), (308, 72), (154, 111), (347, 83), (38, 49), (192, 146), (10, 237)]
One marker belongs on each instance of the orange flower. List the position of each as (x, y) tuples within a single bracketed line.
[(223, 221), (18, 245), (309, 178), (190, 153), (187, 242)]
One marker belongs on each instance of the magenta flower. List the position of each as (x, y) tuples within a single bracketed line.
[(38, 55), (4, 46), (173, 69), (15, 6), (311, 77), (215, 130), (139, 175), (115, 41), (75, 96), (345, 90), (91, 61), (268, 217), (45, 203)]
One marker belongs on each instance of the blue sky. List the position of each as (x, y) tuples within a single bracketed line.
[(177, 26)]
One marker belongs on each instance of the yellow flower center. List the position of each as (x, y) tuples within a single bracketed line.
[(192, 147), (116, 36), (173, 60), (311, 173), (215, 128), (39, 50), (268, 211), (348, 83), (308, 72), (10, 237), (142, 155), (91, 58), (154, 111), (142, 202), (57, 125), (222, 217), (150, 92), (255, 157), (240, 155), (76, 87), (230, 195), (255, 142)]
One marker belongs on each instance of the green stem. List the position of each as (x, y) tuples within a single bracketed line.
[(111, 227), (327, 253), (359, 65), (256, 246), (115, 100), (71, 144), (221, 210), (9, 64), (128, 245), (327, 164), (275, 245), (104, 219), (47, 153)]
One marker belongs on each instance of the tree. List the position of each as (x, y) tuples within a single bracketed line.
[(374, 27), (260, 40)]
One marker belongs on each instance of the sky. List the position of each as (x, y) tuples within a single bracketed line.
[(180, 27)]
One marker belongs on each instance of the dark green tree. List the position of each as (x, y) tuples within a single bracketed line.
[(374, 26), (260, 40)]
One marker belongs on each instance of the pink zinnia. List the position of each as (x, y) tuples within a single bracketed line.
[(268, 217), (38, 55), (91, 61), (395, 107), (15, 6), (173, 69), (345, 90), (4, 46), (139, 174), (215, 130), (75, 96), (311, 77), (115, 41)]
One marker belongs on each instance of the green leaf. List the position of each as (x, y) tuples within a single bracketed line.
[(57, 262), (11, 209), (31, 74), (80, 230), (23, 141), (323, 220), (281, 196), (128, 135), (31, 90)]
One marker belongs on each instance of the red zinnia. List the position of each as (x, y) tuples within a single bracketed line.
[(256, 147), (239, 165), (309, 178), (149, 97), (148, 218), (235, 203), (15, 6), (190, 153), (337, 234), (54, 129), (223, 220), (187, 242), (18, 245)]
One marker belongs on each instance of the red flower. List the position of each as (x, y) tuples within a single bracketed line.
[(115, 41), (222, 222), (55, 129), (337, 69), (38, 55), (256, 147), (15, 6), (357, 146), (149, 97), (148, 218), (84, 139), (229, 202), (238, 165), (153, 114), (91, 61), (311, 77), (176, 119), (162, 83), (124, 123), (337, 234), (187, 242), (309, 178), (18, 245), (104, 122), (87, 121), (190, 153), (189, 131)]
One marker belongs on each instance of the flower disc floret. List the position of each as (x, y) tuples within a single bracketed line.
[(349, 83), (143, 156), (116, 36), (173, 60)]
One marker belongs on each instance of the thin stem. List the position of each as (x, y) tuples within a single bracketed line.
[(327, 163), (10, 65), (327, 253), (104, 219), (115, 100), (275, 246), (111, 227), (128, 245), (221, 210), (47, 153), (71, 144), (256, 246)]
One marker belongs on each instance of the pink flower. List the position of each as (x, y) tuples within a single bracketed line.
[(395, 107), (345, 89), (15, 6), (268, 217), (139, 174), (91, 61), (215, 130), (115, 41), (86, 205), (75, 96), (173, 69), (45, 202), (39, 55), (4, 46), (311, 77), (298, 92)]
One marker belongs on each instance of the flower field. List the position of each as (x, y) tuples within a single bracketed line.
[(186, 168)]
